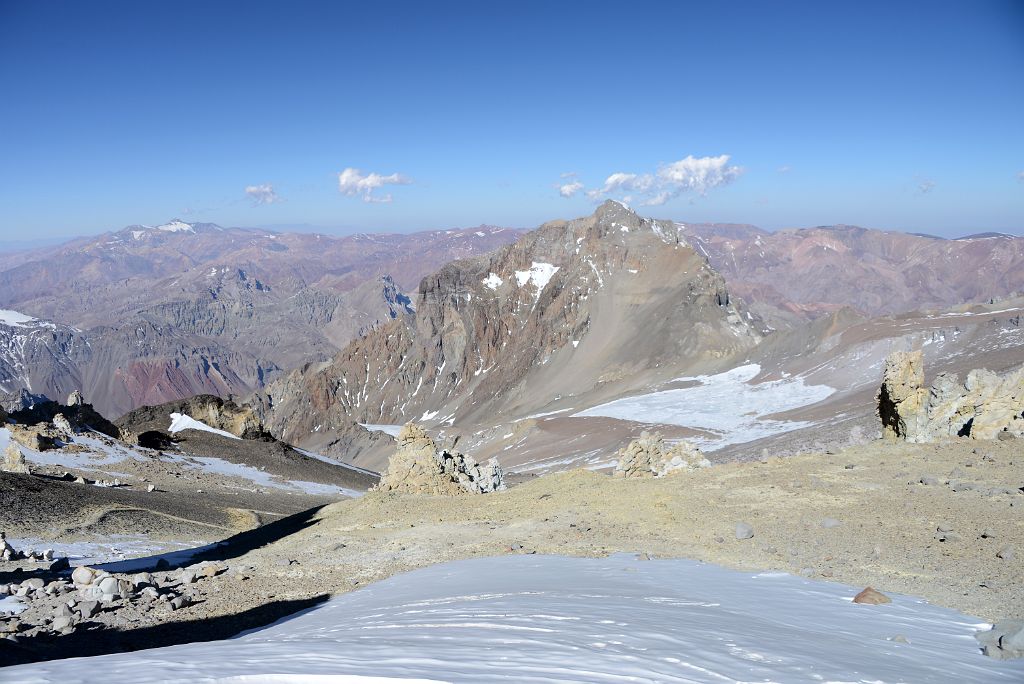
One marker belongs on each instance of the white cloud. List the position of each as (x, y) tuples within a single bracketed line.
[(691, 174), (262, 194), (352, 182), (569, 189), (1020, 176), (925, 186), (785, 168)]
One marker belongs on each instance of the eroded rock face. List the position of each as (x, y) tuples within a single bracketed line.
[(650, 456), (985, 406), (419, 466), (38, 437)]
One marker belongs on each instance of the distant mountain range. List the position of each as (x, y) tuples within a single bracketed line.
[(149, 314), (792, 275)]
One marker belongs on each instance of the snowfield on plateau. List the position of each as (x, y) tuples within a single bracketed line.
[(552, 618), (725, 404)]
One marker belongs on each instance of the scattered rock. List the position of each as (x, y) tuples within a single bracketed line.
[(744, 530), (871, 597), (1005, 553), (650, 456), (828, 523)]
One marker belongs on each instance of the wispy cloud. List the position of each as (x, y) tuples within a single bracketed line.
[(925, 186), (691, 174), (785, 168), (353, 183), (569, 189), (1020, 176), (262, 194)]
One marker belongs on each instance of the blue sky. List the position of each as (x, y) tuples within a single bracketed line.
[(905, 116)]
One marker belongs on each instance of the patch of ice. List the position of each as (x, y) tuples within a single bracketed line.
[(15, 319), (321, 489), (550, 618), (493, 281), (392, 430), (725, 404), (182, 421), (11, 605)]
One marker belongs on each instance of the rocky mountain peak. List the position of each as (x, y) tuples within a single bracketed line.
[(590, 300)]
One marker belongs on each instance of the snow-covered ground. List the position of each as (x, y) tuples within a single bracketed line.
[(725, 404), (116, 553), (549, 618), (392, 430), (14, 318)]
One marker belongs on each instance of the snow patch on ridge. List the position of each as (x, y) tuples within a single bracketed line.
[(539, 274), (16, 319), (182, 421), (725, 404), (493, 281), (177, 226)]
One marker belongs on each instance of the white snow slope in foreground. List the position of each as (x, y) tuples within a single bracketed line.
[(183, 421), (725, 404), (550, 618)]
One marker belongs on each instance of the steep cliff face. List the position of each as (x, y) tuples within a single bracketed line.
[(573, 307)]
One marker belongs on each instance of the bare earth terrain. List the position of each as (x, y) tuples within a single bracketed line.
[(860, 516)]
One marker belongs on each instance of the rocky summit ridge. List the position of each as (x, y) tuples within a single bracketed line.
[(573, 306)]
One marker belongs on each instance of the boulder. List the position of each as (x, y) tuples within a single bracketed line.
[(14, 460), (420, 466), (76, 399), (1004, 640), (62, 425), (985, 406), (650, 456)]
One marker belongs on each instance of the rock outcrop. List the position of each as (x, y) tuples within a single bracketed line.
[(76, 416), (419, 466), (986, 405), (650, 456), (222, 414), (1004, 641), (14, 460)]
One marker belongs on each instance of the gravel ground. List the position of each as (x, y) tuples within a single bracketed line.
[(860, 516)]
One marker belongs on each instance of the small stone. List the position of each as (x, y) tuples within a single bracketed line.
[(899, 639), (1006, 553), (62, 623), (151, 488), (744, 530), (828, 523), (88, 608), (34, 583), (987, 534), (929, 480), (871, 597)]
